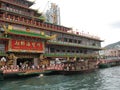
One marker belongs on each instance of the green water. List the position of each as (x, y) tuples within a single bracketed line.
[(104, 79)]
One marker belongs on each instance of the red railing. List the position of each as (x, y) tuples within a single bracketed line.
[(22, 20)]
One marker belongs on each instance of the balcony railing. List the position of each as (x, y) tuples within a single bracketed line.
[(73, 44), (29, 22), (70, 55), (16, 3)]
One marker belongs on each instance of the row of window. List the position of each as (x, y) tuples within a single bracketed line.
[(18, 2), (2, 47), (16, 10), (53, 50), (70, 40), (73, 39)]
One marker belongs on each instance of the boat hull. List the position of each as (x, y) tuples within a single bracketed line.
[(71, 72), (17, 75), (1, 75), (103, 66)]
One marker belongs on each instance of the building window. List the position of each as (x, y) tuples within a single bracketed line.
[(70, 40), (59, 39), (75, 41), (65, 39), (73, 51), (94, 44), (68, 51), (2, 47), (85, 51), (81, 51), (52, 50), (79, 41), (63, 50), (77, 51), (58, 50)]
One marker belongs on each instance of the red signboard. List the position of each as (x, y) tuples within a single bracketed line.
[(27, 45)]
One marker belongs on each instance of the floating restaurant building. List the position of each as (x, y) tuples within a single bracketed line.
[(26, 37)]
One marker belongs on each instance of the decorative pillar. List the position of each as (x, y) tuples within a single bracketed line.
[(23, 19), (36, 61), (18, 18), (8, 17), (12, 59), (38, 23), (3, 15), (27, 21), (13, 18), (49, 51), (15, 61), (35, 23)]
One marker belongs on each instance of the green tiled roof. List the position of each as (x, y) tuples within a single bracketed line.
[(31, 34), (42, 18)]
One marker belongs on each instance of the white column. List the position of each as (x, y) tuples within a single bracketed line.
[(35, 61), (15, 62)]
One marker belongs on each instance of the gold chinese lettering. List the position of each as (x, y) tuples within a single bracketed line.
[(38, 44), (33, 44), (28, 44), (22, 43), (17, 43)]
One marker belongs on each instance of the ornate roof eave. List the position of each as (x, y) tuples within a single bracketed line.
[(32, 26), (41, 36), (11, 31), (45, 38)]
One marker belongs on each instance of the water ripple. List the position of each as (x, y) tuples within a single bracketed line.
[(104, 79)]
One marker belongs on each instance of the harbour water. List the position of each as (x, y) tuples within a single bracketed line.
[(103, 79)]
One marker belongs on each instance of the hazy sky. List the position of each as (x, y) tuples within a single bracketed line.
[(98, 17)]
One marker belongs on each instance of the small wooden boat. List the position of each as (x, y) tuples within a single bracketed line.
[(33, 73), (22, 74)]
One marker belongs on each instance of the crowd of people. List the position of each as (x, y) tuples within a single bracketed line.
[(26, 67), (52, 65)]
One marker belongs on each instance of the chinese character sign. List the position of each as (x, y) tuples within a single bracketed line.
[(27, 45)]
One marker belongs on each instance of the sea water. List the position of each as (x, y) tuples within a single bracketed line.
[(102, 79)]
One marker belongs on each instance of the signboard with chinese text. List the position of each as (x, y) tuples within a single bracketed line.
[(26, 46)]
